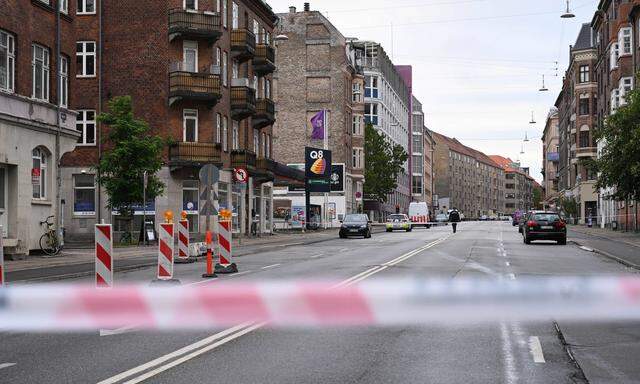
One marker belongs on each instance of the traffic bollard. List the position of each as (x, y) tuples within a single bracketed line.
[(210, 273)]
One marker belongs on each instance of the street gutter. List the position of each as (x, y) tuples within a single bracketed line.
[(608, 255)]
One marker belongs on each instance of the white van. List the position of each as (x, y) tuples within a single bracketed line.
[(419, 215)]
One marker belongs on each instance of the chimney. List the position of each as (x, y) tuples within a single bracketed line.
[(292, 9), (306, 7)]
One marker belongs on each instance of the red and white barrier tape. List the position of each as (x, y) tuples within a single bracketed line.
[(319, 304)]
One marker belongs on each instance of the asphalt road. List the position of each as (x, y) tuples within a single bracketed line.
[(489, 353)]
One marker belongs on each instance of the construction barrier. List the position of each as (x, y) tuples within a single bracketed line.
[(210, 272), (225, 264), (165, 252), (104, 255), (184, 254), (321, 304), (1, 259)]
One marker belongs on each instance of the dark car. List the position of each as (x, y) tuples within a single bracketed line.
[(544, 226), (355, 225)]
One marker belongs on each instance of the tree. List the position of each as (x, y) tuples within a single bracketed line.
[(569, 206), (383, 164), (537, 198), (132, 151), (618, 164)]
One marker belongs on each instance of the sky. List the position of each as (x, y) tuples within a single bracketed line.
[(477, 64)]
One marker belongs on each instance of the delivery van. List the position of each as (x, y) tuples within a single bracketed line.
[(419, 215)]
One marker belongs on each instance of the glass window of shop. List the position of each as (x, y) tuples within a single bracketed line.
[(235, 204), (266, 199), (190, 198)]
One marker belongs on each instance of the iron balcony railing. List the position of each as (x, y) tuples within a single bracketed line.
[(264, 59), (195, 153), (243, 101), (243, 43), (195, 86), (243, 158)]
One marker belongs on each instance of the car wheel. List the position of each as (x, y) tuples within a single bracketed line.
[(367, 235), (342, 236), (519, 230), (389, 230), (409, 230), (562, 242)]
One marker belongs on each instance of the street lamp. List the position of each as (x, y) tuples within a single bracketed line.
[(568, 14), (526, 138), (543, 88), (281, 37), (533, 120)]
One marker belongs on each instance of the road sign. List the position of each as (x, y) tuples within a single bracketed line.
[(240, 175), (208, 209), (209, 174)]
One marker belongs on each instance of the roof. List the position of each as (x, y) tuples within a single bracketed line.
[(457, 146), (585, 38), (506, 163)]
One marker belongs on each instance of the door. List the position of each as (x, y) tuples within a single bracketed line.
[(4, 192), (235, 15), (190, 55)]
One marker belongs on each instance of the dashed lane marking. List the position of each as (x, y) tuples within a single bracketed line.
[(270, 266), (6, 365), (536, 349)]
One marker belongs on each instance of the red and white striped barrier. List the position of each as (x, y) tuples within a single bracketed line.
[(224, 241), (183, 239), (1, 259), (165, 252), (320, 304), (104, 255)]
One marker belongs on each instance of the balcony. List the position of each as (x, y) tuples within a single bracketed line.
[(587, 152), (243, 158), (265, 113), (265, 169), (243, 99), (243, 44), (195, 86), (194, 25), (194, 154), (264, 60)]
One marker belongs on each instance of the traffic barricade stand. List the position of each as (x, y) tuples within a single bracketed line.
[(104, 255), (165, 255), (183, 242), (225, 264)]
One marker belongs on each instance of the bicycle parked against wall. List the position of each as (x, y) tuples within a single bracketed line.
[(49, 242)]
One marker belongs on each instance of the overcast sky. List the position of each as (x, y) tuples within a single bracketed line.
[(477, 64)]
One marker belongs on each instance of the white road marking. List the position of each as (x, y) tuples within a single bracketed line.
[(507, 263), (512, 276), (210, 343), (510, 373), (172, 355), (6, 365), (315, 256), (117, 331), (270, 266), (536, 349), (586, 248)]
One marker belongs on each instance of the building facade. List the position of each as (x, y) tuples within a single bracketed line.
[(518, 186), (387, 107), (317, 70), (429, 149), (550, 159), (418, 169), (466, 179), (616, 31), (37, 125), (577, 118)]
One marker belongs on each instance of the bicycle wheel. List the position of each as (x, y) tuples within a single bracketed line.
[(48, 244)]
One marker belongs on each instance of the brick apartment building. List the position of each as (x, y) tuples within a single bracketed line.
[(616, 32), (467, 179), (199, 72), (318, 70), (387, 107), (550, 159), (518, 185), (36, 125), (576, 106)]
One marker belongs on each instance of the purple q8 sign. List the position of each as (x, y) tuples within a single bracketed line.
[(317, 123)]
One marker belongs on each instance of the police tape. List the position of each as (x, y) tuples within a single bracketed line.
[(380, 302)]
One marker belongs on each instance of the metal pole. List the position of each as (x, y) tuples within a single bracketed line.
[(57, 149), (325, 145), (144, 208)]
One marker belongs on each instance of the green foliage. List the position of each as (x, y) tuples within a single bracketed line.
[(131, 152), (618, 165), (383, 163), (569, 206), (537, 198)]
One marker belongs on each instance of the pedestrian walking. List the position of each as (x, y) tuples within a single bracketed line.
[(454, 218)]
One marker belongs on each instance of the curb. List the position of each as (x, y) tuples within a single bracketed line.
[(605, 238), (579, 375), (610, 256)]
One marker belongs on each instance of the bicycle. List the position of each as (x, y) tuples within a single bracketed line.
[(49, 242)]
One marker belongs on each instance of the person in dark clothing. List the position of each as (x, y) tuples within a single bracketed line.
[(454, 218)]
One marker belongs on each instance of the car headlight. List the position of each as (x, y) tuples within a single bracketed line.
[(363, 227), (343, 226)]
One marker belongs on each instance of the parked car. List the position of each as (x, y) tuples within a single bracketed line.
[(398, 221), (355, 225), (505, 218), (442, 218), (544, 226), (523, 219), (484, 218), (419, 214), (516, 218)]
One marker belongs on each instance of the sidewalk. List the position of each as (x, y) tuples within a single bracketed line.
[(75, 262), (623, 247)]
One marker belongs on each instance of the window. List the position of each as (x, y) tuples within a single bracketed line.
[(625, 86), (235, 143), (225, 13), (64, 6), (39, 174), (265, 146), (417, 144), (417, 164), (371, 114), (191, 5), (510, 196), (416, 185), (583, 105), (190, 126), (86, 7), (613, 52), (190, 56), (267, 89), (63, 95), (615, 100), (84, 195), (225, 133), (86, 125), (85, 59), (7, 61), (584, 139), (190, 199), (624, 37), (255, 85), (256, 142), (218, 127), (584, 74), (256, 31), (40, 69), (356, 89), (356, 128), (357, 158), (235, 69), (510, 186), (235, 15), (225, 70), (371, 87)]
